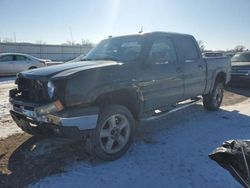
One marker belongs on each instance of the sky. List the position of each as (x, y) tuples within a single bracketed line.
[(220, 24)]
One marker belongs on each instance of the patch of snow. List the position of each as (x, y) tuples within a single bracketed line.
[(7, 126), (172, 153)]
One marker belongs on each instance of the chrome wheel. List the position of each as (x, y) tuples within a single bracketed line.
[(114, 133), (218, 95)]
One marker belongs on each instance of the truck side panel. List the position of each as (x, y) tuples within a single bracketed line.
[(214, 67)]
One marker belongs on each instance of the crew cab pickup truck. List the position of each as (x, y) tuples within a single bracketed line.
[(121, 81)]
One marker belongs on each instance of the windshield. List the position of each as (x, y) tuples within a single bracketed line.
[(245, 57), (123, 49)]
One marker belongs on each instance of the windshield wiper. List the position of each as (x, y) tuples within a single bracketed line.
[(107, 58), (100, 58), (87, 59)]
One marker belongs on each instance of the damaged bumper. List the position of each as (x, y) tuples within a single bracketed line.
[(53, 117)]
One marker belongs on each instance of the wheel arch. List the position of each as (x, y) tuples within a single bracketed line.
[(221, 77), (130, 98), (218, 76)]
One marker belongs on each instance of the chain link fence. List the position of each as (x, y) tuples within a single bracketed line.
[(45, 51)]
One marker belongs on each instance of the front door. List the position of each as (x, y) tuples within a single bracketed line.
[(20, 63), (162, 83)]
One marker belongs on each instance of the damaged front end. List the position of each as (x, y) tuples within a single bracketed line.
[(38, 108)]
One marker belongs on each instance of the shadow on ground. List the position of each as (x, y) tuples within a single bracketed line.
[(244, 91), (7, 79), (36, 158)]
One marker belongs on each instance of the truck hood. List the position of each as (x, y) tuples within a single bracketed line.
[(65, 69)]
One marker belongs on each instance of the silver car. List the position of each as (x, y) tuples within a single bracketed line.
[(12, 63)]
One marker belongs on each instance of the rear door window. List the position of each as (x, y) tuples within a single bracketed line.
[(20, 58), (187, 47)]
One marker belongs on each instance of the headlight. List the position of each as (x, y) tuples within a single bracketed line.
[(51, 89), (49, 108)]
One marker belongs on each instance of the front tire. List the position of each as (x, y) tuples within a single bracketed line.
[(213, 100), (114, 133)]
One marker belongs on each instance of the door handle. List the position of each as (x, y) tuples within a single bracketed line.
[(200, 67), (189, 61)]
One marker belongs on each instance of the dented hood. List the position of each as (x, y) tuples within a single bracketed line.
[(240, 63), (65, 70)]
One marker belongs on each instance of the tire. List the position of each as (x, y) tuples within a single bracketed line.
[(114, 133), (213, 100)]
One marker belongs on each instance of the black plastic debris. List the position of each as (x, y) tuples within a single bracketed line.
[(234, 156)]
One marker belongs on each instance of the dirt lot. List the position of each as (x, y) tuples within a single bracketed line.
[(25, 159)]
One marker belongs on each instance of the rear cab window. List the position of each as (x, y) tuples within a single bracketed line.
[(187, 48)]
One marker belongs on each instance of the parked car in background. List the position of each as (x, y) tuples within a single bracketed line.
[(12, 63), (241, 66), (213, 54)]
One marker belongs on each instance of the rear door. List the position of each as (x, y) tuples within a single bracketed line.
[(21, 63), (162, 80), (194, 66), (7, 65)]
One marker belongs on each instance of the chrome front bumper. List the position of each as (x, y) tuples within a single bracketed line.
[(81, 118)]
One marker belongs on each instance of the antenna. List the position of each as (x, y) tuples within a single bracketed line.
[(15, 37), (141, 31), (71, 35)]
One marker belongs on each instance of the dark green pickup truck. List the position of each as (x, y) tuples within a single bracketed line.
[(122, 80)]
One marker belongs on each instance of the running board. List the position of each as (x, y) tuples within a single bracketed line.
[(182, 105)]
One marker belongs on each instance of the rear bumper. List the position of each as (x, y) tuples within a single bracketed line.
[(66, 121)]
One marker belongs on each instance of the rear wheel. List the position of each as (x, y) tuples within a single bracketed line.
[(213, 100), (114, 133)]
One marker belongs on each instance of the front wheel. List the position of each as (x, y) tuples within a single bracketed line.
[(114, 133), (213, 100)]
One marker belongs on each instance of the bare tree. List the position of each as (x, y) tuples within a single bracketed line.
[(201, 45), (86, 42), (69, 43), (40, 42), (83, 43), (239, 48)]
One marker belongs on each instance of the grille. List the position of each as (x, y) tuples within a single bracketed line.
[(32, 90), (243, 72)]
